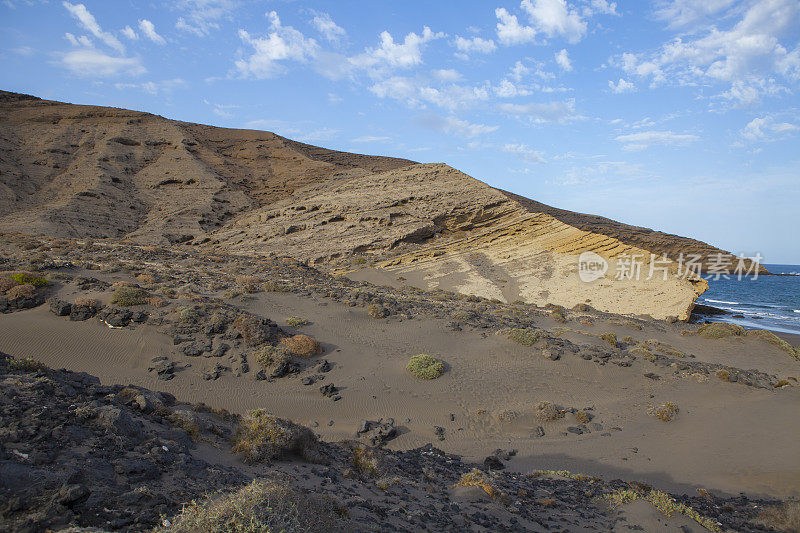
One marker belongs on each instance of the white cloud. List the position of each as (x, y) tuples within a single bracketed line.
[(78, 41), (599, 7), (153, 87), (476, 44), (645, 139), (748, 57), (396, 55), (128, 32), (446, 75), (202, 16), (455, 126), (149, 30), (622, 86), (282, 43), (681, 13), (328, 28), (766, 129), (562, 59), (540, 113), (90, 24), (525, 153), (371, 139), (91, 62), (509, 89), (510, 31), (554, 17)]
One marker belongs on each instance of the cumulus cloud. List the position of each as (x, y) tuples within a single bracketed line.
[(476, 44), (540, 113), (748, 56), (90, 24), (149, 30), (525, 153), (554, 17), (328, 28), (78, 41), (391, 54), (767, 129), (622, 86), (416, 92), (455, 126), (682, 13), (153, 87), (510, 31), (645, 139), (92, 62), (281, 43), (563, 61)]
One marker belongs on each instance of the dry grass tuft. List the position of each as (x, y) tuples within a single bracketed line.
[(723, 374), (776, 341), (476, 478), (525, 337), (610, 338), (260, 507), (296, 321), (27, 290), (548, 412), (270, 356), (784, 517), (262, 436)]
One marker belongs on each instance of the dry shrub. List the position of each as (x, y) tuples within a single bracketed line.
[(302, 346), (128, 295), (270, 356), (376, 311), (424, 366), (610, 338), (253, 329), (157, 301), (21, 291), (6, 283), (783, 517), (366, 461), (665, 412), (724, 375), (774, 340), (249, 284), (85, 301), (476, 478), (261, 506), (146, 278), (525, 337), (548, 412), (582, 417), (262, 436)]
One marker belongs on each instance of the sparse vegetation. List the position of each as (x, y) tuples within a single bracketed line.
[(21, 291), (251, 328), (261, 507), (270, 356), (774, 340), (424, 366), (188, 315), (296, 321), (275, 286), (85, 301), (720, 330), (582, 417), (665, 412), (663, 502), (23, 278), (644, 352), (548, 412), (376, 311), (783, 517), (476, 478), (249, 284), (366, 461), (610, 338), (723, 374), (557, 313), (525, 337), (128, 296), (25, 364), (262, 436), (302, 346)]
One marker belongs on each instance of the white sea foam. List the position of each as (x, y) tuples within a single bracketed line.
[(720, 301)]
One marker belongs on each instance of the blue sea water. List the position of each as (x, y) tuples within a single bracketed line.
[(765, 302)]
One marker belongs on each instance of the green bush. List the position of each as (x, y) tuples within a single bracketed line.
[(720, 330), (525, 337), (260, 507), (22, 278), (127, 296), (264, 437), (296, 321), (424, 366)]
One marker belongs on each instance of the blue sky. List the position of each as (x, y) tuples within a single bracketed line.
[(679, 115)]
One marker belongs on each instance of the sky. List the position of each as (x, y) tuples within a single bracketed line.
[(677, 115)]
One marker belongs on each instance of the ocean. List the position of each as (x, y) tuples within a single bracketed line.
[(765, 302)]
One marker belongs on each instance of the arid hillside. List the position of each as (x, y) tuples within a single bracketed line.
[(96, 172)]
